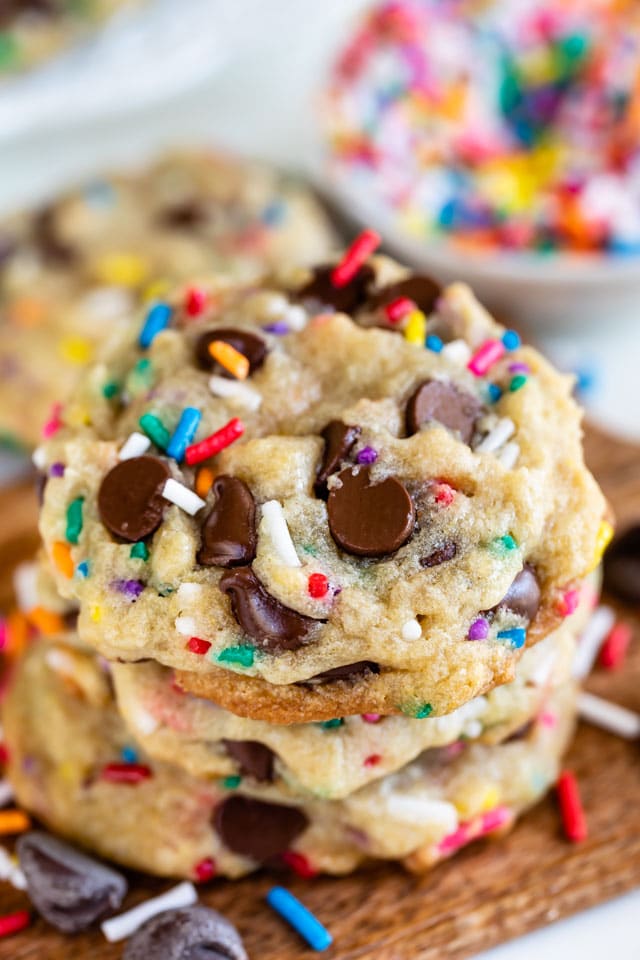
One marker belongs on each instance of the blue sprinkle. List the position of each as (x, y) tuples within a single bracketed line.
[(434, 343), (82, 570), (623, 247), (516, 637), (586, 380), (99, 193), (156, 320), (494, 392), (278, 328), (129, 755), (274, 213), (301, 919), (184, 432), (511, 340)]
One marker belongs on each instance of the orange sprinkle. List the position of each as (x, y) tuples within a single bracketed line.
[(17, 633), (27, 312), (47, 622), (14, 821), (230, 358), (61, 556), (204, 479)]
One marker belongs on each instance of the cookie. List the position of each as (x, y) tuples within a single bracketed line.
[(65, 762), (288, 525), (72, 271)]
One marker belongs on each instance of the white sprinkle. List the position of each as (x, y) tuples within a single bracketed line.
[(592, 637), (625, 723), (144, 721), (122, 926), (509, 455), (503, 429), (458, 351), (411, 630), (184, 498), (235, 390), (186, 626), (39, 458), (276, 305), (189, 591), (25, 584), (473, 729), (417, 810), (60, 662), (295, 317), (134, 446), (107, 303), (274, 526), (10, 871), (6, 793)]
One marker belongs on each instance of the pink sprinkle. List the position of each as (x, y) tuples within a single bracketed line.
[(371, 717), (205, 870), (479, 629), (398, 309), (474, 829), (568, 602), (485, 357), (355, 257), (4, 634), (445, 494), (548, 719), (614, 649), (54, 422)]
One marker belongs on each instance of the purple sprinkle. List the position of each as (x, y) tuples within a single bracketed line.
[(519, 368), (479, 629), (280, 329), (367, 455), (130, 588), (56, 470)]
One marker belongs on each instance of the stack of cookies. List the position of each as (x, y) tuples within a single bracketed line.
[(330, 555)]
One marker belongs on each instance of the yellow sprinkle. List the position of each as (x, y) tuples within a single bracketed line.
[(13, 821), (416, 328), (156, 290), (46, 621), (67, 771), (62, 559), (204, 479), (230, 358), (122, 269), (603, 539), (76, 415), (76, 350), (96, 614), (491, 798)]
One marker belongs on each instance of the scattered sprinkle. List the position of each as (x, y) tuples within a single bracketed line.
[(158, 317), (10, 870), (231, 783), (198, 645), (300, 864), (473, 829), (13, 922), (573, 818), (54, 422), (242, 655), (110, 390), (214, 443), (399, 308), (317, 586), (355, 257), (517, 382), (509, 455), (126, 773), (332, 724), (231, 359), (479, 629), (415, 330), (204, 481), (609, 716), (61, 557), (82, 570), (234, 390), (195, 301), (372, 760), (184, 433), (135, 445), (614, 650), (185, 626), (411, 630), (494, 392), (504, 428), (122, 926), (47, 622), (274, 526), (457, 351), (129, 588), (591, 639), (74, 520), (155, 430), (603, 539), (371, 717), (56, 470), (139, 551), (204, 871), (485, 357), (182, 497), (129, 755), (14, 821), (300, 918), (511, 340), (434, 343), (516, 637), (444, 494), (506, 542)]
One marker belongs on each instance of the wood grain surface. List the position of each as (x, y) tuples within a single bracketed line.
[(489, 893)]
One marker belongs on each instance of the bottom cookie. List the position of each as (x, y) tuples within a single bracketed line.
[(74, 766)]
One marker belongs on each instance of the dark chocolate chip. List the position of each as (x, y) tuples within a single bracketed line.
[(441, 554), (130, 498), (370, 519), (229, 531), (345, 299), (68, 888), (257, 829), (418, 287), (338, 438), (183, 216), (253, 758), (45, 233), (262, 617), (622, 566), (349, 671), (521, 733), (445, 403), (251, 346), (189, 933), (523, 596)]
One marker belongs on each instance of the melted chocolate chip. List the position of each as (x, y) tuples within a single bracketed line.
[(418, 287), (338, 438), (229, 531), (45, 233), (251, 346), (441, 554), (69, 889), (523, 596), (130, 500), (257, 829), (189, 933), (183, 216), (370, 519), (445, 403), (253, 758), (622, 566), (262, 617), (349, 671), (344, 299)]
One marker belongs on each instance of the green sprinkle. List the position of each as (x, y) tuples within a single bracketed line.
[(155, 430), (230, 783), (506, 543), (516, 382), (310, 549), (165, 590), (8, 50), (330, 724), (139, 551), (74, 520), (242, 655), (417, 711), (110, 389), (141, 377)]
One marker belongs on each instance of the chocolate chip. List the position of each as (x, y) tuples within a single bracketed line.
[(523, 596), (441, 554), (251, 346), (262, 617), (183, 216), (229, 531), (521, 733), (445, 403), (338, 438), (68, 888), (253, 758), (190, 933), (418, 287), (370, 519), (622, 566), (257, 829), (45, 234), (345, 299), (130, 500), (349, 671)]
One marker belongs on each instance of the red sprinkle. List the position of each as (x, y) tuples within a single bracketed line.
[(12, 922), (445, 494), (373, 760), (205, 870), (568, 603), (614, 649), (485, 356), (197, 645), (361, 248), (4, 754), (212, 445), (398, 309), (318, 585), (130, 773), (195, 301), (573, 818), (299, 864)]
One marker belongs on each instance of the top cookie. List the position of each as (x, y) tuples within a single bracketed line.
[(347, 516), (72, 272)]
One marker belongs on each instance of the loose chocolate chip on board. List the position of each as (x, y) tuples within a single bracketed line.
[(229, 531), (249, 344), (349, 671), (445, 403), (370, 519), (338, 438), (344, 299), (622, 566), (190, 933), (253, 758), (130, 500), (418, 287), (441, 554), (68, 888), (523, 596), (272, 625), (257, 829)]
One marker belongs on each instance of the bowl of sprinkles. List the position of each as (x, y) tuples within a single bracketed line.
[(500, 138)]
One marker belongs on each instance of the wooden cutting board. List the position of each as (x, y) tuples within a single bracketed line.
[(489, 893)]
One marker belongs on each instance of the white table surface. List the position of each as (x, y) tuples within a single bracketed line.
[(260, 103)]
